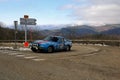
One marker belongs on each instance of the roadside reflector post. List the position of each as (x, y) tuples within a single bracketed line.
[(26, 44)]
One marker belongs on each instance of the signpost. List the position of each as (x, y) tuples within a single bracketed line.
[(27, 21), (30, 21), (16, 25)]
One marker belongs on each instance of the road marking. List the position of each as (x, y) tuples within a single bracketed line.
[(20, 55), (90, 54), (38, 59), (14, 53), (1, 52), (5, 52), (30, 57)]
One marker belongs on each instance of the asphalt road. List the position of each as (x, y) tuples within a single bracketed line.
[(81, 63)]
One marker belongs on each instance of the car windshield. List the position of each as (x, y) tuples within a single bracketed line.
[(51, 38)]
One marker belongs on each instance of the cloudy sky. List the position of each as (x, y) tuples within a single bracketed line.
[(94, 12)]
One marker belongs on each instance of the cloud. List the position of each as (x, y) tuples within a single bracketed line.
[(68, 6), (105, 1), (95, 11)]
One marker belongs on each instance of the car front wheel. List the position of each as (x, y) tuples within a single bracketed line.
[(50, 49), (34, 50)]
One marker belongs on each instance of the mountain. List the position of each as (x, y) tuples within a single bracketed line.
[(82, 30), (106, 27), (115, 31), (49, 27), (78, 30), (73, 30), (68, 31)]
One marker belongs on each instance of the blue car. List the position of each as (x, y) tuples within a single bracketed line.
[(51, 44)]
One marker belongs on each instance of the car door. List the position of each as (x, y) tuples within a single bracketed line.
[(61, 43)]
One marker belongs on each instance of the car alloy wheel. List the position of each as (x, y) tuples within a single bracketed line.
[(50, 49), (67, 48)]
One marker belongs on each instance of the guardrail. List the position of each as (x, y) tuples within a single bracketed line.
[(10, 41), (103, 42)]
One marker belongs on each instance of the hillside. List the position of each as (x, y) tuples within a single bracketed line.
[(6, 33), (74, 32), (83, 31), (115, 31), (107, 27), (9, 34)]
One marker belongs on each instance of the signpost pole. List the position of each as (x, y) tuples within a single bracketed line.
[(26, 17), (25, 30), (15, 24)]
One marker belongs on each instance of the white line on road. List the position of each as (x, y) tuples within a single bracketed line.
[(5, 52), (38, 59), (14, 53), (21, 55), (30, 57), (90, 54)]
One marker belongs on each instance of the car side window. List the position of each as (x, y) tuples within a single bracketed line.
[(55, 39), (61, 40), (65, 40)]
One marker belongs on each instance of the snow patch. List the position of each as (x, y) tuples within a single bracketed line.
[(11, 48), (24, 49), (6, 48)]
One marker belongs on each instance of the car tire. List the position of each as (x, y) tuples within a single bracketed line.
[(50, 49), (34, 50), (68, 48)]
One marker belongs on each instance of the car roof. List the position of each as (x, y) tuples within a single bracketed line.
[(58, 36)]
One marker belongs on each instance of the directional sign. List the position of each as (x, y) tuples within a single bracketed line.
[(16, 25), (29, 21)]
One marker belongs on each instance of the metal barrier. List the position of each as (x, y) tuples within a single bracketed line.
[(12, 41), (103, 42)]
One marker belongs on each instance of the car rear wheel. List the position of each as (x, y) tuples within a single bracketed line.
[(68, 48), (50, 49)]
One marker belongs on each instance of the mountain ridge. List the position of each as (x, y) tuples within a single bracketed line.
[(74, 29)]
